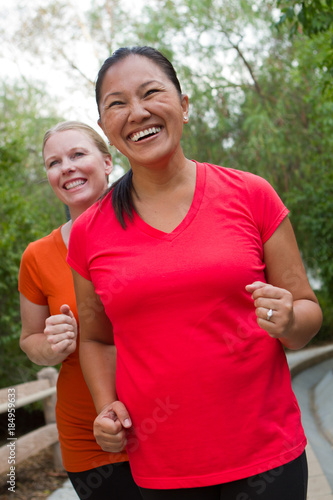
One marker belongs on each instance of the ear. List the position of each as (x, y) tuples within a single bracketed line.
[(185, 107), (108, 165)]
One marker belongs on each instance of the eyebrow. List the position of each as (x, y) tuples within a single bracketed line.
[(145, 84), (72, 150)]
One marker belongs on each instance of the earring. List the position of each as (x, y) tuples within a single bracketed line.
[(185, 119)]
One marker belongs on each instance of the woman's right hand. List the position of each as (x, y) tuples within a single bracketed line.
[(61, 331), (110, 427)]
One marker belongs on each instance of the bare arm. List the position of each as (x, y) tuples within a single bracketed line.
[(98, 358), (46, 340), (297, 316)]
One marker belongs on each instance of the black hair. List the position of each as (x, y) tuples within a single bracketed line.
[(122, 201)]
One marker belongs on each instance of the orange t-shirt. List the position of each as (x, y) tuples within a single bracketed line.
[(45, 278)]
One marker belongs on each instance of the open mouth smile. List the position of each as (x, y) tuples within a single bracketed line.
[(73, 184), (143, 134)]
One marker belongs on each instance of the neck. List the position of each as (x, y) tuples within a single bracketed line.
[(66, 231), (76, 212), (154, 180), (66, 228)]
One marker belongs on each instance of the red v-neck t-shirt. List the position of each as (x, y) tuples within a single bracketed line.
[(208, 390)]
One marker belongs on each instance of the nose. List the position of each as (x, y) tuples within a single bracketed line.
[(67, 166), (138, 111)]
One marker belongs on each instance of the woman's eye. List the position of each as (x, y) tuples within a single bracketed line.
[(151, 91), (113, 104), (78, 154), (52, 163)]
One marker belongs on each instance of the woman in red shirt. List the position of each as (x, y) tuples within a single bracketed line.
[(193, 272)]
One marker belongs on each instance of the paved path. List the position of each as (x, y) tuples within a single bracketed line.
[(67, 492), (319, 449)]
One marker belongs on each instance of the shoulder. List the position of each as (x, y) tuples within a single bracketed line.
[(238, 179), (44, 244), (232, 173), (37, 260)]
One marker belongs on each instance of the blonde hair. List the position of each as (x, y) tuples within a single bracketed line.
[(81, 127)]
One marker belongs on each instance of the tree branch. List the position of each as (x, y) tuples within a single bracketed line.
[(247, 64), (76, 68)]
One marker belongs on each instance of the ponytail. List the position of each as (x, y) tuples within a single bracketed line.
[(122, 202)]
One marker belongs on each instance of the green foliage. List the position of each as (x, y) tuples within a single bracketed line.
[(27, 211), (311, 208), (325, 301), (313, 18)]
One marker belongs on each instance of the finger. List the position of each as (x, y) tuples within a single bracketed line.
[(113, 444), (117, 411), (65, 309), (120, 411), (61, 329), (266, 303), (55, 338), (256, 285), (109, 425), (62, 346), (268, 293), (59, 319), (266, 314)]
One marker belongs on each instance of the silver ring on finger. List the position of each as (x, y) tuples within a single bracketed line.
[(269, 315)]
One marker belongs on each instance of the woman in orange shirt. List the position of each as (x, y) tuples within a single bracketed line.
[(78, 163)]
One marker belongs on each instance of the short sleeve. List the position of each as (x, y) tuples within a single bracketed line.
[(29, 281), (77, 255), (267, 208)]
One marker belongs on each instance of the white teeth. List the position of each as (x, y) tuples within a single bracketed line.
[(71, 185), (143, 133)]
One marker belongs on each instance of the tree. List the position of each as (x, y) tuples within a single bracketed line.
[(217, 33), (27, 211), (313, 18), (309, 16)]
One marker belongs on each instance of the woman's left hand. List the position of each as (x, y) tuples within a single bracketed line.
[(274, 308)]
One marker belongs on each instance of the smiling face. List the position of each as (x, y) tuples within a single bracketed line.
[(76, 168), (141, 111)]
